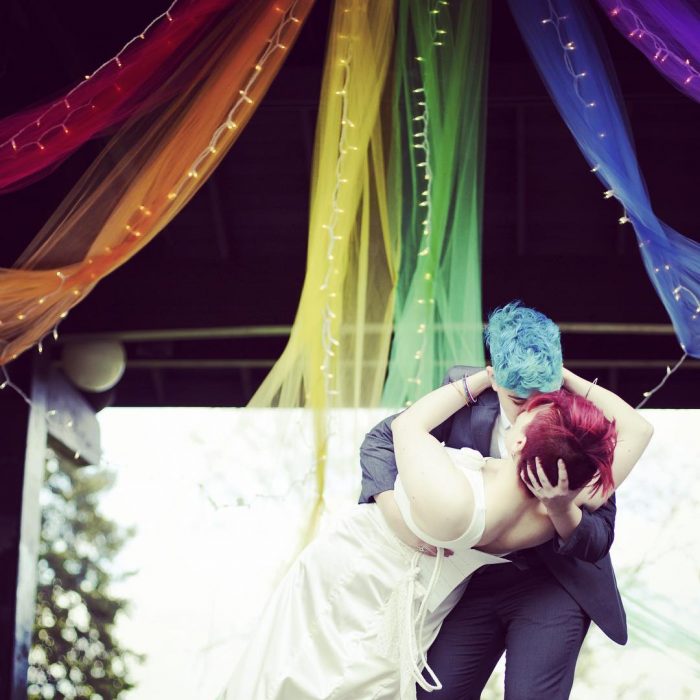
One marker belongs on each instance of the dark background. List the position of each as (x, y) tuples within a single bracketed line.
[(235, 258)]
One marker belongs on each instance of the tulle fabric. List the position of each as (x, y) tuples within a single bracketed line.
[(667, 32), (35, 140), (337, 351), (572, 58), (436, 202), (149, 170)]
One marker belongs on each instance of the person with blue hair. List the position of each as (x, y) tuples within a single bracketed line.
[(525, 350), (537, 608), (359, 613)]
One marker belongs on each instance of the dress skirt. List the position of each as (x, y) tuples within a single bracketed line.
[(343, 623)]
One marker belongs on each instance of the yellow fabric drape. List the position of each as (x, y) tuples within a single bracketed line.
[(149, 171), (337, 352)]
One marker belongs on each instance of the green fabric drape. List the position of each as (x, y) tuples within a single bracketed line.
[(436, 191)]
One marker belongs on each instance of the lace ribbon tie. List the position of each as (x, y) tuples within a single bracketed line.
[(411, 630)]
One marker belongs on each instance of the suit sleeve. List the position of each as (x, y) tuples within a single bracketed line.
[(593, 537)]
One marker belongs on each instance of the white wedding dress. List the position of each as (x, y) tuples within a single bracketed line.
[(356, 613)]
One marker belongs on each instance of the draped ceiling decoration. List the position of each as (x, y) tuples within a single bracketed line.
[(436, 170), (421, 136), (336, 354), (35, 140), (667, 32), (574, 62), (149, 170)]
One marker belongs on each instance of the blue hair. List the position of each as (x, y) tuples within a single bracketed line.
[(525, 349)]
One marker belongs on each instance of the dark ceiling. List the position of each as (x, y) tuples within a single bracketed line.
[(235, 257)]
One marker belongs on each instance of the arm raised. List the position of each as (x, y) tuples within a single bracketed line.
[(439, 494), (633, 432)]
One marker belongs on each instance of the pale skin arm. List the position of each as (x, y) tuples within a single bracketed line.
[(633, 432), (439, 494)]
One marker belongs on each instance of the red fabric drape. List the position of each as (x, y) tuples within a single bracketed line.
[(33, 141)]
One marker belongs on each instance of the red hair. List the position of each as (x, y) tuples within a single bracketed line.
[(572, 429)]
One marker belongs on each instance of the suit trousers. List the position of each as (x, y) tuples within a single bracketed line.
[(524, 612)]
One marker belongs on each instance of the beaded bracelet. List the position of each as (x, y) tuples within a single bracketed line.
[(467, 393)]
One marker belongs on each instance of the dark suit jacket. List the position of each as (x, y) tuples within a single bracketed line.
[(581, 564)]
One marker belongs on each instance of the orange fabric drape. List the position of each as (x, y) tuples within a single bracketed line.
[(148, 172)]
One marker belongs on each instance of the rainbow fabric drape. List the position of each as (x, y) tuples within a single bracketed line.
[(149, 171), (331, 359), (436, 201), (336, 355), (575, 65), (35, 140), (667, 32)]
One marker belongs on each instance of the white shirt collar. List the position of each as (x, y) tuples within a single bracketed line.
[(504, 418)]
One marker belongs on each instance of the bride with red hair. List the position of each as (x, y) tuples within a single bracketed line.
[(354, 616)]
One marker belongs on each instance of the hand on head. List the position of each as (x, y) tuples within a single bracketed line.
[(556, 497)]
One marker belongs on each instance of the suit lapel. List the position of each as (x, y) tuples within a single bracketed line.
[(483, 416)]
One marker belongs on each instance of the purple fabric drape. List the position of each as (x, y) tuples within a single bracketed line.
[(667, 32)]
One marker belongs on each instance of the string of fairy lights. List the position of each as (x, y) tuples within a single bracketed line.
[(421, 145), (568, 47), (62, 277), (328, 286), (244, 99), (662, 52), (423, 162), (133, 232), (70, 103), (134, 227)]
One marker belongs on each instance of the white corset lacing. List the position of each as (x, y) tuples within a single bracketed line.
[(399, 613)]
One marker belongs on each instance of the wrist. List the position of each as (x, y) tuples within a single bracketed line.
[(566, 376), (478, 382), (559, 510)]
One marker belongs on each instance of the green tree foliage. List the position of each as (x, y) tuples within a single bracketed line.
[(74, 653)]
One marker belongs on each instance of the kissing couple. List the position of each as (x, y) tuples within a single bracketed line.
[(484, 526)]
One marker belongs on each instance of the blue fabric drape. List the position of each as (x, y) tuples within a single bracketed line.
[(564, 41)]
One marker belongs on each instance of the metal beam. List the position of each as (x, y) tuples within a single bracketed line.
[(194, 363), (282, 331)]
